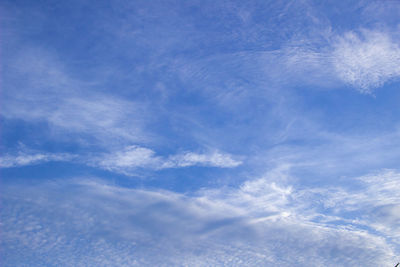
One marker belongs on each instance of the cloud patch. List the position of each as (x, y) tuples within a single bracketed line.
[(366, 60), (212, 159)]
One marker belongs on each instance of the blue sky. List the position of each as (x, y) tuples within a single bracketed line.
[(200, 133)]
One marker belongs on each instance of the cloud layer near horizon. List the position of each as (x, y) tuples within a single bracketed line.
[(254, 225)]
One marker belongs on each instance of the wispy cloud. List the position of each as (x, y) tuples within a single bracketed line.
[(125, 161), (134, 157), (254, 225), (130, 158), (212, 159), (374, 204), (23, 159), (367, 59), (70, 106), (364, 59), (165, 87)]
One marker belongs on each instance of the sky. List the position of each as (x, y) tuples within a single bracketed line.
[(199, 133)]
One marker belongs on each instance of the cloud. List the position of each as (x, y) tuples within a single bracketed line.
[(125, 161), (375, 203), (72, 107), (101, 116), (268, 221), (133, 157), (23, 159), (366, 60), (213, 159), (128, 159), (264, 222), (98, 117)]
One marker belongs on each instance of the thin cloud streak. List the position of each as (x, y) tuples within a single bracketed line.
[(24, 159), (125, 161), (133, 157)]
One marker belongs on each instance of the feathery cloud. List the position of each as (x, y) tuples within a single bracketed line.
[(133, 157), (23, 159), (367, 60)]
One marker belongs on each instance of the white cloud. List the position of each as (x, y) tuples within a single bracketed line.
[(366, 60), (133, 157), (213, 159), (100, 117), (23, 159), (363, 59), (264, 222), (125, 161), (49, 93), (128, 159), (376, 202)]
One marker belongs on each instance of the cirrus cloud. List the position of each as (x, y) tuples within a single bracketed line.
[(366, 60)]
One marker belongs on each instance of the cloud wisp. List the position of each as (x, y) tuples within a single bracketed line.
[(125, 161), (72, 108), (134, 157), (24, 159)]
